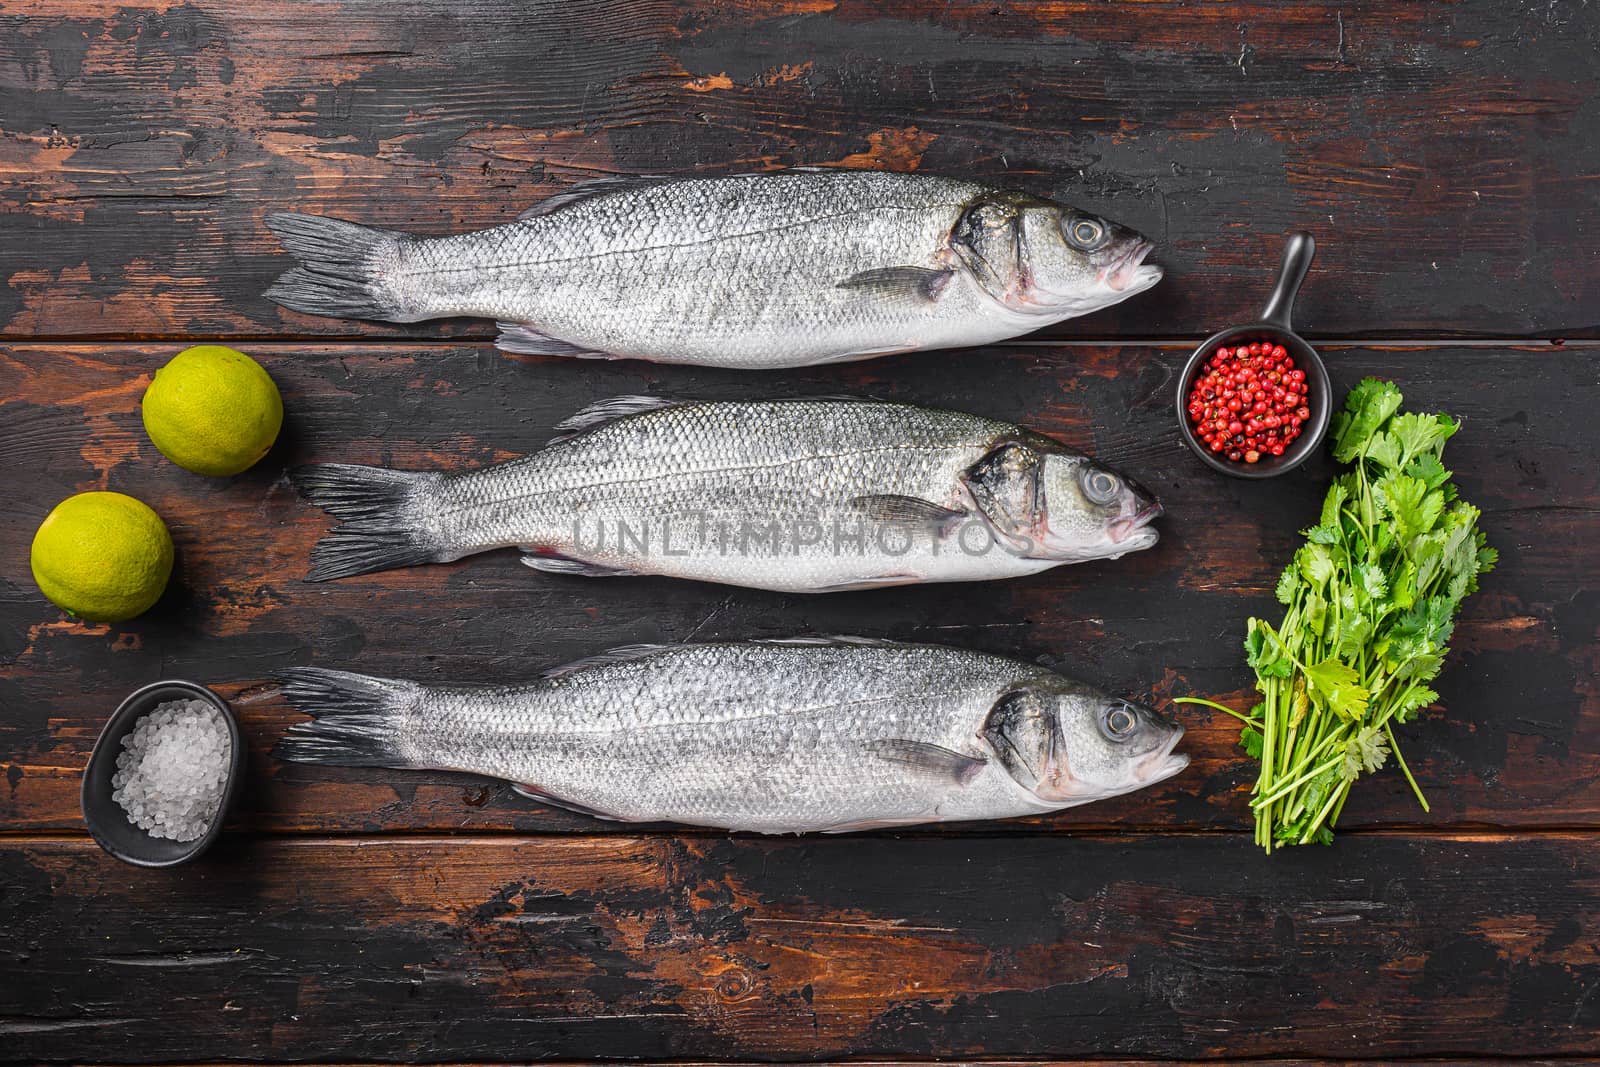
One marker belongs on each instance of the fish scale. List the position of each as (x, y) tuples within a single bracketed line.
[(755, 271), (781, 495), (774, 737)]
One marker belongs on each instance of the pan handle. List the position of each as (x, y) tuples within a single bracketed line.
[(1297, 255)]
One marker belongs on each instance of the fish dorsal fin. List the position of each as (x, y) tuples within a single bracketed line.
[(620, 654), (604, 411), (588, 190), (828, 641), (630, 653), (619, 183)]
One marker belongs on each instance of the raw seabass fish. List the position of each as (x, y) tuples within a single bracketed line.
[(820, 734), (804, 495), (763, 270)]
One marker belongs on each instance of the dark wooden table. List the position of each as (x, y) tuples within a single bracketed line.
[(1446, 155)]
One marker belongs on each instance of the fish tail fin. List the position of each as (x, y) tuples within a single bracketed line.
[(345, 270), (383, 523), (357, 720)]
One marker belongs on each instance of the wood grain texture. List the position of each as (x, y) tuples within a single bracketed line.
[(1517, 742), (424, 949), (1447, 155)]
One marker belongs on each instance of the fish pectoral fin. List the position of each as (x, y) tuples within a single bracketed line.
[(907, 511), (937, 761), (525, 340), (541, 561), (534, 793), (901, 283)]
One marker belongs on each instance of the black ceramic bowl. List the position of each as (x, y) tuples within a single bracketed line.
[(1274, 324), (108, 823)]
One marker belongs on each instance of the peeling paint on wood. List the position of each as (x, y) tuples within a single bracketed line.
[(1446, 155), (655, 948), (1513, 745)]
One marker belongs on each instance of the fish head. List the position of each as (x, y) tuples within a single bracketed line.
[(1045, 502), (1040, 258), (1089, 511), (1068, 743)]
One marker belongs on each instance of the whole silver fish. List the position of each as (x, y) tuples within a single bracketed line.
[(826, 734), (755, 271), (810, 495)]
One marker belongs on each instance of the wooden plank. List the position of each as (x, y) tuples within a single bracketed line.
[(1516, 744), (664, 948), (1448, 155)]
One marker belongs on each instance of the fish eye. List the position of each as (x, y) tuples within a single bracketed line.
[(1100, 486), (1118, 721), (1086, 234)]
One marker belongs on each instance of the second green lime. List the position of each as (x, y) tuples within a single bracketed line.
[(213, 410)]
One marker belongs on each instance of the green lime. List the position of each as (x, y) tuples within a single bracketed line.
[(103, 557), (213, 410)]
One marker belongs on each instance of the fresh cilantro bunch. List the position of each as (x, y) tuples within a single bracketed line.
[(1371, 600)]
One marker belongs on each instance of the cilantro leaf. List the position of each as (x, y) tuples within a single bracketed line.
[(1373, 583), (1428, 470), (1412, 700), (1288, 584), (1264, 651), (1427, 554), (1354, 632), (1316, 563), (1316, 614), (1338, 493), (1367, 408), (1321, 535), (1366, 751), (1408, 502), (1384, 450), (1403, 587), (1370, 601), (1419, 435), (1338, 687)]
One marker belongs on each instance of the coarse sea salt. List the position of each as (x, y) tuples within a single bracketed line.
[(173, 769)]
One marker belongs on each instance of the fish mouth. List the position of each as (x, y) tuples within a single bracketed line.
[(1137, 525), (1130, 274), (1162, 764)]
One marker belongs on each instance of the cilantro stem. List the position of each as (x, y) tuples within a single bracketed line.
[(1285, 790), (1369, 599), (1340, 808), (1247, 720), (1311, 827), (1327, 740), (1395, 748)]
